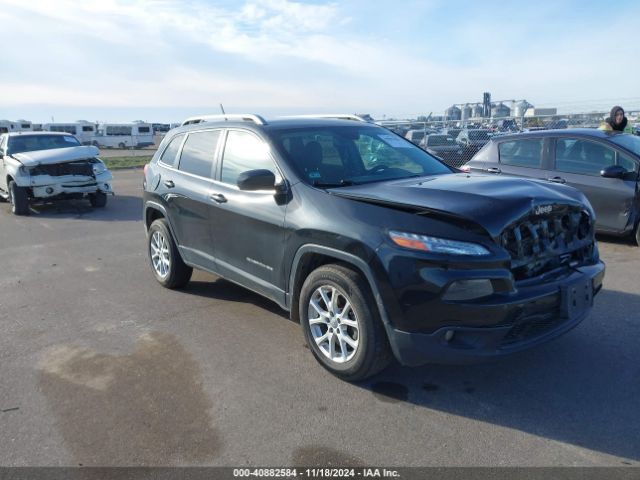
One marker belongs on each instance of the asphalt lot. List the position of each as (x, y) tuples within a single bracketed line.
[(100, 365)]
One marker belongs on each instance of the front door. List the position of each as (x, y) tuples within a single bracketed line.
[(579, 162), (247, 226)]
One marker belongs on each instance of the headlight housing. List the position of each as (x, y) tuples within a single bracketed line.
[(425, 243), (99, 168)]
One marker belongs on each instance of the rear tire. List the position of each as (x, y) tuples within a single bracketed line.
[(636, 234), (122, 146), (98, 199), (166, 263), (341, 323), (19, 199)]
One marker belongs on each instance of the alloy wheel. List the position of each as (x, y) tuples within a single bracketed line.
[(333, 324)]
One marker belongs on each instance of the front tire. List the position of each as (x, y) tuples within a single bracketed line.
[(98, 199), (341, 323), (19, 199), (166, 263), (636, 235), (121, 146)]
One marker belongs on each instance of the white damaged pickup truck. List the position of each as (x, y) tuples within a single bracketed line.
[(47, 166)]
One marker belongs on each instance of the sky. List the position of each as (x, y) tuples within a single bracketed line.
[(165, 60)]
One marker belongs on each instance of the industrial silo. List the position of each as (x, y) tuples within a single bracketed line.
[(452, 113), (466, 112), (521, 108), (500, 110), (477, 111)]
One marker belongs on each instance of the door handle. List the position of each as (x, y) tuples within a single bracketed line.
[(494, 170), (557, 180), (169, 184), (218, 198)]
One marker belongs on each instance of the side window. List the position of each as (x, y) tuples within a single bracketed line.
[(244, 151), (198, 153), (582, 156), (170, 154), (521, 153), (628, 163)]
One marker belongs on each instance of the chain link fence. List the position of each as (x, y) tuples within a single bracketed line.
[(455, 142)]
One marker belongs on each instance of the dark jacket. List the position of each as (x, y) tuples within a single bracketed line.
[(611, 120)]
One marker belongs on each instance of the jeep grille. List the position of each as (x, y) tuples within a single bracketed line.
[(539, 243)]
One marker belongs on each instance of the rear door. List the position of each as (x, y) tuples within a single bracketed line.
[(524, 157), (579, 162), (247, 226), (187, 190)]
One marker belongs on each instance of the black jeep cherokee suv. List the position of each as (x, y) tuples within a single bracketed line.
[(373, 245)]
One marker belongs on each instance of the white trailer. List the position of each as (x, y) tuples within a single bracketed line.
[(124, 135), (8, 126), (84, 131)]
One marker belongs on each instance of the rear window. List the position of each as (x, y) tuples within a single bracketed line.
[(30, 143), (478, 135), (440, 140), (521, 153)]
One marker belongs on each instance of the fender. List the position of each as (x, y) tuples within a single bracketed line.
[(347, 258), (12, 169)]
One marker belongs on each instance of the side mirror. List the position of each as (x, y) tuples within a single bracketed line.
[(614, 171), (256, 180)]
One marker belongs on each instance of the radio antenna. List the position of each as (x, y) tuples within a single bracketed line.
[(223, 112)]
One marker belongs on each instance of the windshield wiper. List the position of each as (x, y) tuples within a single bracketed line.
[(341, 183)]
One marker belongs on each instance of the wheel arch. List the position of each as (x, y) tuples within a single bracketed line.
[(311, 256), (152, 212)]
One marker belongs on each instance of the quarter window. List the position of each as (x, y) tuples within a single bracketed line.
[(198, 153), (521, 153), (582, 157), (244, 151), (170, 154)]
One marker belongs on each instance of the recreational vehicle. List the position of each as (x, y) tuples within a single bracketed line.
[(82, 130), (7, 126), (124, 135)]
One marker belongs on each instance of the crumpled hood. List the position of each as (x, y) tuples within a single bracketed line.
[(55, 155), (489, 201)]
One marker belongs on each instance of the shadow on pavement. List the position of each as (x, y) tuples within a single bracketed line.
[(119, 208), (221, 289), (581, 389)]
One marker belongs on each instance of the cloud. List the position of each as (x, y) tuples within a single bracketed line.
[(279, 54)]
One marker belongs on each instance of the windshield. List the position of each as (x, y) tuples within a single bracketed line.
[(30, 143), (438, 140), (630, 142), (478, 135), (338, 155)]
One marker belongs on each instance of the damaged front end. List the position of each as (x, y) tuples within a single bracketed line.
[(70, 179), (64, 173)]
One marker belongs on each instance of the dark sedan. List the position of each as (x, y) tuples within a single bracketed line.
[(604, 166)]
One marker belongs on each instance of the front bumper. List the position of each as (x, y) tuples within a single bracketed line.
[(46, 186), (533, 316)]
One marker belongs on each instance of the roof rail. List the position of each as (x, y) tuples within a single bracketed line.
[(338, 116), (246, 117)]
